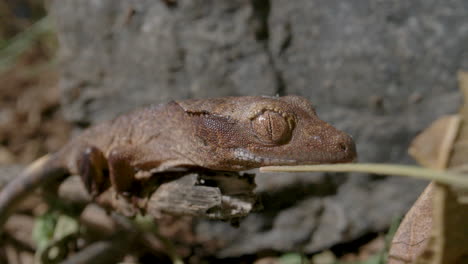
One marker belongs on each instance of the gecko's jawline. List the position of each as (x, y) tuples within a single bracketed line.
[(245, 155)]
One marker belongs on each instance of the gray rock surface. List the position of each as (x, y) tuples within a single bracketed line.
[(122, 54), (380, 70)]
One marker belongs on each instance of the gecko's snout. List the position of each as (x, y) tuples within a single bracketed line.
[(346, 147)]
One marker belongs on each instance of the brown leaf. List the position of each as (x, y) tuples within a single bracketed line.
[(433, 146), (437, 232), (449, 238), (412, 236)]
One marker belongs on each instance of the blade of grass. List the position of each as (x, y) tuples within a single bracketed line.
[(23, 41), (450, 178)]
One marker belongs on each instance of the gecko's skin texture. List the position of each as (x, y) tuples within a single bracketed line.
[(230, 134)]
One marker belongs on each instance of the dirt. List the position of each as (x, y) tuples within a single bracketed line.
[(30, 121)]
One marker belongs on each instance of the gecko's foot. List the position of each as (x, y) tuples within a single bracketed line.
[(126, 203)]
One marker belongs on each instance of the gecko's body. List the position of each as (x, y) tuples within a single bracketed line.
[(231, 133)]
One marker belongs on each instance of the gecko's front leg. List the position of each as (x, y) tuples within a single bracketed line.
[(121, 172), (92, 167)]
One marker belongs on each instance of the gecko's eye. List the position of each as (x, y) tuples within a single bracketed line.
[(272, 127)]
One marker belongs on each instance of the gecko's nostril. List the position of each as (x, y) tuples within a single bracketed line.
[(343, 146), (347, 148)]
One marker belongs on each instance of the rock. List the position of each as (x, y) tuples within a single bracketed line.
[(122, 54)]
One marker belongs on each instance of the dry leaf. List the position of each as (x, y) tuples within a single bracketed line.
[(444, 238), (460, 149), (433, 146), (413, 234)]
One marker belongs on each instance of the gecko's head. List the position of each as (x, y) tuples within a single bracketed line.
[(248, 132)]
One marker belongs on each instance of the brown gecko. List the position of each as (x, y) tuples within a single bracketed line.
[(227, 134)]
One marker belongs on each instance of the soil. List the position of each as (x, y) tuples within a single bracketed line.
[(30, 121)]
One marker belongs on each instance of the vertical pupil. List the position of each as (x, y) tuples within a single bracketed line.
[(271, 126), (265, 121)]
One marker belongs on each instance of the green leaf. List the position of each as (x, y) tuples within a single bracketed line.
[(43, 230), (292, 258)]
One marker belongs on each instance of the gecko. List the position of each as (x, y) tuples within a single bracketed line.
[(220, 134)]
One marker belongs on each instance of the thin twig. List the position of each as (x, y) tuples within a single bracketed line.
[(450, 178)]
